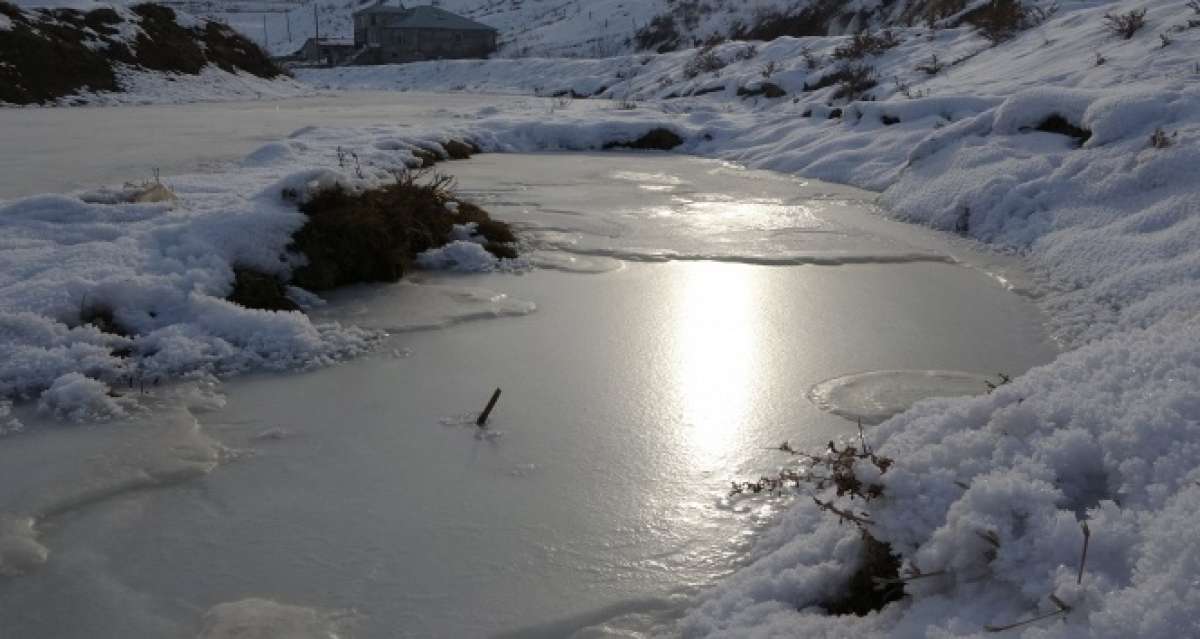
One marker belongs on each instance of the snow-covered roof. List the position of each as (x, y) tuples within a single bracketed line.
[(426, 17)]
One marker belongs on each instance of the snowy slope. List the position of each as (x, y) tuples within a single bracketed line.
[(572, 28)]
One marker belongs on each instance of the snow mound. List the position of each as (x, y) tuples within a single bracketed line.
[(460, 255), (76, 398)]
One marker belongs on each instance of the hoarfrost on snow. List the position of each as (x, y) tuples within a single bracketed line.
[(76, 398)]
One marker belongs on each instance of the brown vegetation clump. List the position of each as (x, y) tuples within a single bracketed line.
[(864, 44), (1000, 20), (374, 235), (1124, 25), (854, 80)]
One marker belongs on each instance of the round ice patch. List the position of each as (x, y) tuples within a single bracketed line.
[(875, 396)]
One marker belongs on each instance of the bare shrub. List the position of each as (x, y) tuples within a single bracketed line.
[(877, 582), (1160, 140), (661, 35), (749, 52), (769, 69), (933, 67), (705, 61), (810, 61), (855, 81), (1000, 20), (1124, 25), (865, 44)]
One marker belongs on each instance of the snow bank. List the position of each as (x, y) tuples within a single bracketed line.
[(160, 271), (459, 255)]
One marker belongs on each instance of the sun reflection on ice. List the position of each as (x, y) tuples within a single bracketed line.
[(716, 352)]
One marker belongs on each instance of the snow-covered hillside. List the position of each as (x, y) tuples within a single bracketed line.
[(580, 28), (91, 52)]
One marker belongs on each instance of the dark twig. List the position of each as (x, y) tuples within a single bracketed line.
[(1063, 609), (483, 417), (1087, 535)]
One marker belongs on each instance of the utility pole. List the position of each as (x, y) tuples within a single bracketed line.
[(287, 16), (266, 36), (316, 25)]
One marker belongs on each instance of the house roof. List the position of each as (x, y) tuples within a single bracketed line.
[(426, 17)]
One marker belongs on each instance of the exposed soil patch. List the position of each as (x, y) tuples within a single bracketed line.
[(101, 316), (659, 139), (766, 89), (863, 596), (1060, 125)]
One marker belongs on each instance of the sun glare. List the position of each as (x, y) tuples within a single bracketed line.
[(716, 351)]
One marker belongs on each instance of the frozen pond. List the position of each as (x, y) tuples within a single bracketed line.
[(683, 316), (51, 150)]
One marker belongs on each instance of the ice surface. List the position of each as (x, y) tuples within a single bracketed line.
[(631, 397), (419, 303), (874, 396), (265, 619), (20, 551)]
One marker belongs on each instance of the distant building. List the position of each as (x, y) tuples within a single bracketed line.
[(327, 51), (385, 34)]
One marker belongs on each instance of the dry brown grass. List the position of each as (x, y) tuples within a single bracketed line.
[(374, 235)]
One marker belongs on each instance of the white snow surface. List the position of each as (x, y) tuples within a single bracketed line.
[(987, 492), (212, 84)]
